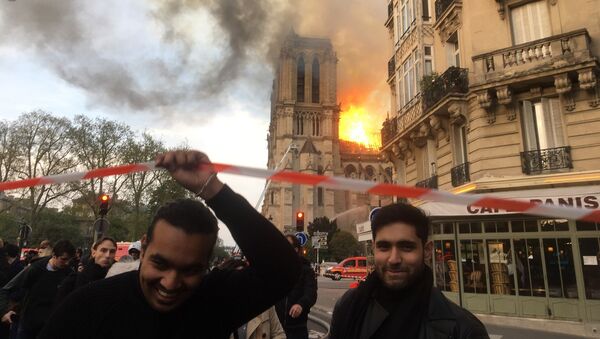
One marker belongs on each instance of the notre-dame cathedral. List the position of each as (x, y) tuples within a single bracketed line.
[(303, 136)]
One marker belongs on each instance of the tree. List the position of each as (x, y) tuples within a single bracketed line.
[(343, 245), (8, 155), (41, 151), (139, 185), (99, 143), (166, 190)]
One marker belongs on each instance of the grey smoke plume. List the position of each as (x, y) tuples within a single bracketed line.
[(90, 45)]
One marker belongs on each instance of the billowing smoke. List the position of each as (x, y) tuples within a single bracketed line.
[(152, 55)]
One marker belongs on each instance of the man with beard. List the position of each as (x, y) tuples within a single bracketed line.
[(398, 299), (174, 295)]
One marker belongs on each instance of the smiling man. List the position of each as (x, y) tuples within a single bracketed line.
[(398, 299), (173, 295)]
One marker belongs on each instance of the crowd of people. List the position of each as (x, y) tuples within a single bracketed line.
[(166, 287)]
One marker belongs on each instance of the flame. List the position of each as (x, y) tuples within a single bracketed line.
[(357, 126)]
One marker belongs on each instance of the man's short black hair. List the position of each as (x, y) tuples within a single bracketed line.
[(191, 216), (63, 247), (12, 250), (404, 213)]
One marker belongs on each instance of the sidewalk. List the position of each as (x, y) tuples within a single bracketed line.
[(547, 325)]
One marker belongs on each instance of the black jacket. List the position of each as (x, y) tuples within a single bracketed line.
[(40, 287), (91, 272), (445, 319), (116, 307), (304, 293)]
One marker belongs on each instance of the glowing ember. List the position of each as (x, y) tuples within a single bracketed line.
[(357, 126)]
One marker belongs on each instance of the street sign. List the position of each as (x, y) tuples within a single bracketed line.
[(319, 240), (302, 238)]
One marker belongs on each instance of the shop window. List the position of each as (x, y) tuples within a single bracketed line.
[(501, 268), (587, 226), (554, 225), (528, 268), (445, 267), (542, 124), (560, 269), (473, 266), (466, 227), (442, 228), (524, 225), (495, 226), (530, 22), (590, 257)]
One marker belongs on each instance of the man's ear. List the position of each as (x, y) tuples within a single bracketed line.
[(428, 250)]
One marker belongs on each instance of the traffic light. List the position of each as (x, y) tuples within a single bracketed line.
[(300, 222), (104, 200)]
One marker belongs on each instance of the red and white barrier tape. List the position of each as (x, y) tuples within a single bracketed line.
[(338, 184)]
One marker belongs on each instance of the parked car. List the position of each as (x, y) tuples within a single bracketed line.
[(353, 267)]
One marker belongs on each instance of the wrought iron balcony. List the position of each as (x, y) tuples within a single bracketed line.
[(388, 131), (431, 182), (460, 174), (441, 6), (391, 67), (538, 161), (453, 81)]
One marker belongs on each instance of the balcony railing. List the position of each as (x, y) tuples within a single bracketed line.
[(538, 161), (441, 6), (547, 54), (453, 80), (460, 174), (391, 67), (389, 130), (431, 182)]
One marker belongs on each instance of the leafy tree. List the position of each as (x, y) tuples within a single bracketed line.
[(96, 144), (343, 245), (41, 151)]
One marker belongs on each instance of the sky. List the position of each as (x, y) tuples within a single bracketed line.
[(189, 71)]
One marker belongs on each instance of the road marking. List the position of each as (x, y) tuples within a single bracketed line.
[(495, 336)]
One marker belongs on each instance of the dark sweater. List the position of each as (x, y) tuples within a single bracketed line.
[(304, 294), (116, 307)]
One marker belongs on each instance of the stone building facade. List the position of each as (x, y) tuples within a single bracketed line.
[(304, 136), (506, 102)]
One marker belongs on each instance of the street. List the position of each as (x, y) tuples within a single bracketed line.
[(330, 291)]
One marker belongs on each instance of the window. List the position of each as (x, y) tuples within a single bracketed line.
[(428, 66), (524, 225), (315, 81), (425, 4), (554, 225), (473, 227), (459, 136), (362, 263), (560, 268), (298, 125), (300, 80), (473, 266), (501, 268), (528, 267), (350, 263), (407, 11), (444, 265), (590, 257), (453, 50), (426, 166), (495, 226), (442, 228), (530, 22), (542, 124), (316, 125), (411, 72), (320, 196)]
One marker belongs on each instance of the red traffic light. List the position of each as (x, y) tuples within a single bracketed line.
[(104, 198), (300, 215), (299, 221)]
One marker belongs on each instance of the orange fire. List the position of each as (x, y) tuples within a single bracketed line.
[(357, 126)]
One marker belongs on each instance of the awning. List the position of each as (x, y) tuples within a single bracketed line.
[(578, 196)]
